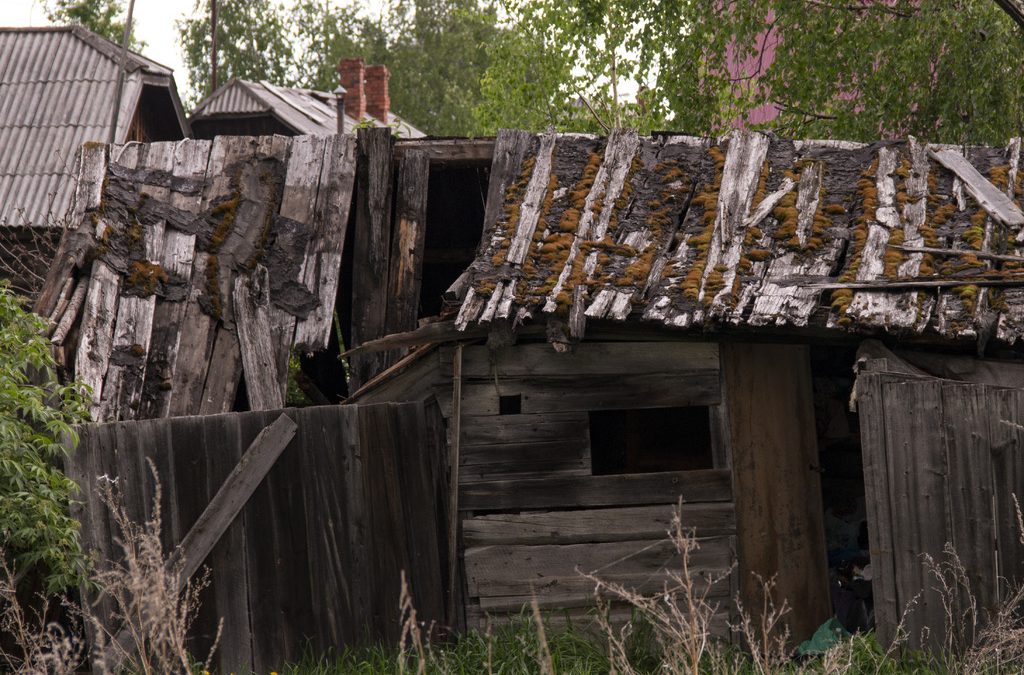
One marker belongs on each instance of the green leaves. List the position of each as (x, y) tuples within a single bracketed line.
[(37, 534), (436, 51), (99, 16), (943, 70)]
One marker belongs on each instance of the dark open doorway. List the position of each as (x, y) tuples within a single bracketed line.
[(842, 486)]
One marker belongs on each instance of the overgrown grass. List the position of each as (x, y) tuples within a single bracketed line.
[(514, 649)]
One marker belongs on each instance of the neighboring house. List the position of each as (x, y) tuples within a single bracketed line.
[(57, 91), (244, 108)]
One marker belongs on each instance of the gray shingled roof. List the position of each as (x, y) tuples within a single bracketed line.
[(752, 231), (56, 92), (306, 111)]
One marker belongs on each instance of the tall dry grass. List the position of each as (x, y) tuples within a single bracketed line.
[(151, 609), (672, 631)]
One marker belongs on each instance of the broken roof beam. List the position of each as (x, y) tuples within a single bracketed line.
[(449, 152), (997, 204)]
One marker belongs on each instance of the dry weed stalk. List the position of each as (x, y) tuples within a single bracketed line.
[(152, 603), (544, 660), (44, 647), (680, 615), (26, 253), (959, 604), (999, 646), (411, 639), (766, 633)]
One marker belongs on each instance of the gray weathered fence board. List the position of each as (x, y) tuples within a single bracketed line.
[(315, 556), (942, 463)]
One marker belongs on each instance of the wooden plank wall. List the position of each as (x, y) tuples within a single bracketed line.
[(532, 514), (314, 559), (534, 518), (943, 461)]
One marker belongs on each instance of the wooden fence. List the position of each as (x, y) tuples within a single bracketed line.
[(943, 462), (315, 557)]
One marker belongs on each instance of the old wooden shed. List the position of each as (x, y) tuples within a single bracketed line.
[(605, 326), (649, 319)]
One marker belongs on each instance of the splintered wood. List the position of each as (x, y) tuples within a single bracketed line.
[(190, 265), (751, 230)]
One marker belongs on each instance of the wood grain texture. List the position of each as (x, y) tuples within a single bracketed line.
[(259, 336), (641, 564), (352, 499), (321, 267), (581, 492), (177, 257), (580, 526), (590, 358), (372, 248), (406, 271), (777, 490), (878, 505)]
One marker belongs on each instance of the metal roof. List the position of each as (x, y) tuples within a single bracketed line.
[(305, 111), (56, 91)]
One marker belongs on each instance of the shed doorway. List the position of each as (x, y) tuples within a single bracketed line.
[(840, 461)]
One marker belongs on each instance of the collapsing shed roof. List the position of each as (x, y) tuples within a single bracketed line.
[(187, 264), (752, 230)]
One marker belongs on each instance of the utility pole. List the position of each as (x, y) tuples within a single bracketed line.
[(120, 74), (213, 46)]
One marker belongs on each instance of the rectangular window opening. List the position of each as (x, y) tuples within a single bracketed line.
[(650, 440), (510, 405)]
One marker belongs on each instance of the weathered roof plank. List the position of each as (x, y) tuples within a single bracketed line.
[(741, 220)]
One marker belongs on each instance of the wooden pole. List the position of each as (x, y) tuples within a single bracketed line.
[(118, 93), (958, 252), (213, 46), (907, 283), (453, 489)]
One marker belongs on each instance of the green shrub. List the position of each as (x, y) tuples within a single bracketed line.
[(38, 536)]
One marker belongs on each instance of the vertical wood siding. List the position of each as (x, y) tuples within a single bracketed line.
[(318, 551), (943, 463)]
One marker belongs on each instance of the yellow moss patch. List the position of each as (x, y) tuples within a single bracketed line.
[(893, 258), (225, 213), (213, 285), (968, 296), (1000, 176), (146, 276)]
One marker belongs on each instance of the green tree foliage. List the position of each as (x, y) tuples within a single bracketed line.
[(104, 17), (37, 535), (945, 70), (436, 50), (254, 42)]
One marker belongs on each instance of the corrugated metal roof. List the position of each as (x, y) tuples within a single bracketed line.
[(233, 98), (56, 89), (306, 111)]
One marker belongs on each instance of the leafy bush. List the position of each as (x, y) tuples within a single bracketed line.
[(37, 534)]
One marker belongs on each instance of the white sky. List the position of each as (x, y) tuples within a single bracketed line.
[(153, 19)]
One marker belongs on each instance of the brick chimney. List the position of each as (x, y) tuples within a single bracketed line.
[(352, 75), (378, 102)]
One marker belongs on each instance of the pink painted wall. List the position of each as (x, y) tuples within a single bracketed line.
[(747, 72)]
